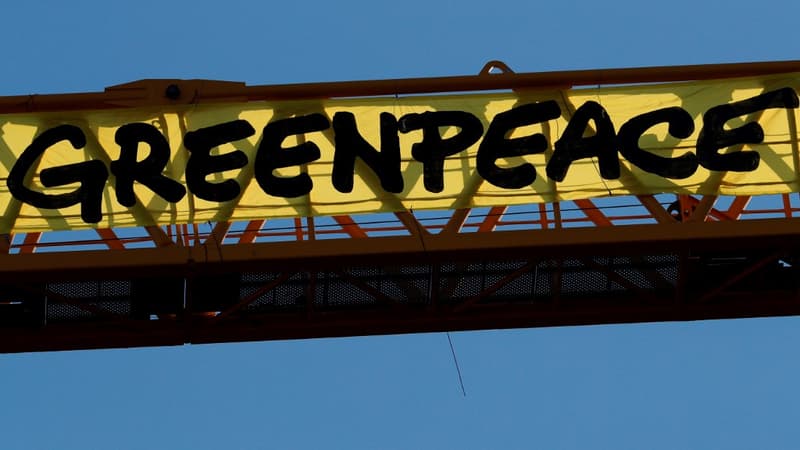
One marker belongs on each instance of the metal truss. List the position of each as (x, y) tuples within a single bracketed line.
[(629, 259), (609, 260)]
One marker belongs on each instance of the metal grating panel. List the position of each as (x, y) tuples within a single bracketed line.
[(577, 279), (333, 291), (110, 297), (252, 282)]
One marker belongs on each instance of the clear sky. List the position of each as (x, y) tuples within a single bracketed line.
[(701, 385)]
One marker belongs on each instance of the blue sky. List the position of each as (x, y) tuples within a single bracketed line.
[(722, 384)]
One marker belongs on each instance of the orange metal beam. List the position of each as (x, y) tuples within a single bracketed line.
[(400, 249), (593, 212), (653, 207), (456, 221), (110, 238), (155, 92), (492, 219), (350, 227), (251, 232), (29, 242)]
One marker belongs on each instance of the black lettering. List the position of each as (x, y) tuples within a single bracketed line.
[(350, 145), (148, 171), (714, 137), (681, 126), (91, 175), (573, 146), (495, 145), (271, 155), (433, 150), (202, 163)]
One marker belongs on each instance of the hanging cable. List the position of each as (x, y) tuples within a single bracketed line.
[(455, 361)]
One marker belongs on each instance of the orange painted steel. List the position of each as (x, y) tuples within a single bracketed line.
[(627, 210), (607, 260), (154, 92)]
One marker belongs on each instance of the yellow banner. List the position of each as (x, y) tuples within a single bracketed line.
[(227, 162)]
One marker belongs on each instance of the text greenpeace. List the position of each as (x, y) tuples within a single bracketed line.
[(591, 133)]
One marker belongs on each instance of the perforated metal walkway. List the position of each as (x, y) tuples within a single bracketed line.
[(451, 271)]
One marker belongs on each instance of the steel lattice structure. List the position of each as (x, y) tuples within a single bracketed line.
[(610, 260)]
